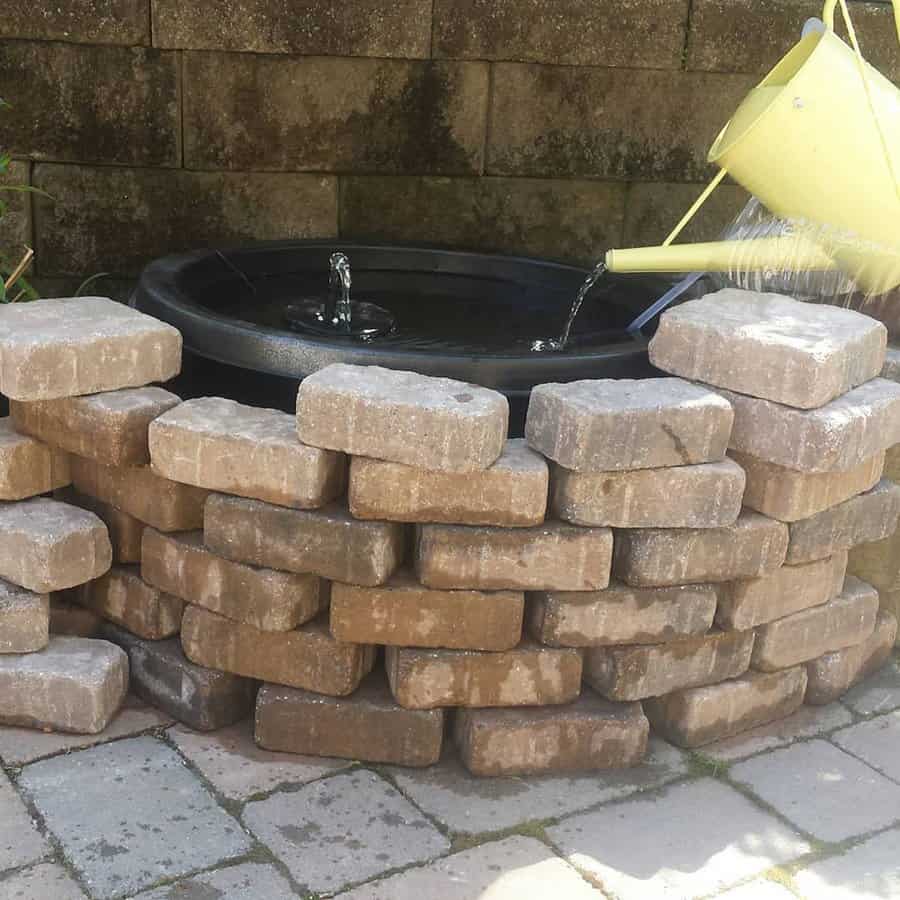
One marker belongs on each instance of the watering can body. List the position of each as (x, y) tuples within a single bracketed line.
[(818, 143)]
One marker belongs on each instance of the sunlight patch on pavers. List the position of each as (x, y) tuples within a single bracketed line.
[(247, 881), (690, 840), (130, 813), (869, 871), (474, 805), (343, 830), (876, 742), (758, 889), (20, 841), (517, 868), (879, 693), (48, 881), (822, 790), (238, 769)]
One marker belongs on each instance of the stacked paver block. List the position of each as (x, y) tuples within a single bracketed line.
[(812, 422)]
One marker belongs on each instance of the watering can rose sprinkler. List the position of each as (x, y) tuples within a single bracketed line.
[(818, 143)]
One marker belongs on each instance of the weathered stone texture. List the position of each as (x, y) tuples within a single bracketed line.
[(85, 21), (82, 345), (846, 620), (769, 346), (868, 517), (833, 674), (28, 467), (369, 726), (71, 619), (751, 602), (376, 115), (24, 619), (553, 556), (789, 496), (609, 425), (510, 493), (123, 597), (326, 542), (840, 435), (135, 490), (417, 420), (554, 218), (73, 685), (892, 463), (49, 546), (588, 735), (110, 428), (226, 446), (529, 675), (180, 564), (308, 658), (620, 615), (406, 614), (124, 531), (654, 557), (90, 103), (889, 602), (567, 32), (637, 672), (204, 699), (878, 562), (124, 226), (16, 234), (382, 28), (604, 122), (891, 368), (702, 496), (701, 715)]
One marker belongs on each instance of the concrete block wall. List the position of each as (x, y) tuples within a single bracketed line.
[(549, 127)]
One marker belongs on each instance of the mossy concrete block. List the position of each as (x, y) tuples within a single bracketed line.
[(81, 21)]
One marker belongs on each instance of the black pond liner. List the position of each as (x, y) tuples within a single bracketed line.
[(469, 316)]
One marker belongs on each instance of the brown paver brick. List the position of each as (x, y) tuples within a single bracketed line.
[(125, 531), (180, 564), (83, 345), (654, 557), (608, 425), (405, 613), (529, 675), (587, 735), (326, 542), (110, 428), (510, 493), (834, 673), (707, 495), (846, 620), (620, 615), (24, 619), (308, 658), (135, 490), (368, 726), (433, 423), (553, 556), (29, 467), (236, 449), (637, 672), (701, 715), (69, 618), (769, 346), (877, 562)]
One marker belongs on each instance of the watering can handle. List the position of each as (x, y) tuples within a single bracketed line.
[(831, 5)]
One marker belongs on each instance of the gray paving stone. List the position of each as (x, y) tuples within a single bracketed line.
[(343, 830), (247, 881), (20, 841), (822, 790), (807, 722), (868, 871), (691, 840), (876, 742), (48, 881), (517, 868), (19, 746), (879, 693), (238, 769), (129, 813), (471, 805)]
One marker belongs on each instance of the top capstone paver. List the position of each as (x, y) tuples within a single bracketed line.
[(610, 425), (84, 345), (432, 423), (765, 345)]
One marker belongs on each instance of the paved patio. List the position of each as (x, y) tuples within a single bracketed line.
[(809, 808)]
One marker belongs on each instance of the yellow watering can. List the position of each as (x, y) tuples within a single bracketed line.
[(818, 143)]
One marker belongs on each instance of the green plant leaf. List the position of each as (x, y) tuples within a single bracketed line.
[(88, 281), (24, 189), (2, 291)]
